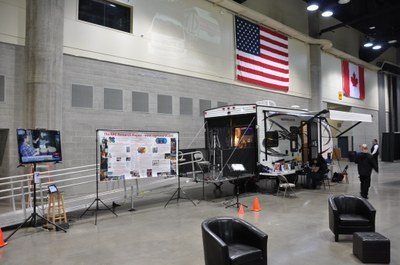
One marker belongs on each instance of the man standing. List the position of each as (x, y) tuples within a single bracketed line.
[(375, 150), (365, 163)]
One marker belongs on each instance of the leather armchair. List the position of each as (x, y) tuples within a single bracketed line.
[(232, 241), (349, 214)]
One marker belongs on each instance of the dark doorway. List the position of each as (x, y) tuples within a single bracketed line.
[(343, 144)]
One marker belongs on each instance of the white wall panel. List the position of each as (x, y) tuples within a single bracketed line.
[(331, 71), (12, 21), (188, 37), (299, 69)]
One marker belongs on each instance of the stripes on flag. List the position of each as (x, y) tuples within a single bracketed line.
[(262, 56)]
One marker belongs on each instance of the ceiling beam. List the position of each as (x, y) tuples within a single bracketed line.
[(385, 11)]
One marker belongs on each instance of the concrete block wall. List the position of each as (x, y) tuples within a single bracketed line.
[(79, 124), (13, 109)]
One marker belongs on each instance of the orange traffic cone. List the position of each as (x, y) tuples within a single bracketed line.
[(2, 243), (256, 205), (241, 209)]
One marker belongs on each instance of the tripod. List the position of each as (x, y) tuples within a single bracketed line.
[(233, 168), (32, 219), (215, 145), (97, 199), (178, 192)]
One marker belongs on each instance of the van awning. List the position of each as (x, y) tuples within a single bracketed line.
[(349, 116), (343, 116)]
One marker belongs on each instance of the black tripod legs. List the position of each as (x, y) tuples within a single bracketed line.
[(87, 209), (237, 203), (97, 200), (178, 192), (32, 219), (50, 222), (19, 227)]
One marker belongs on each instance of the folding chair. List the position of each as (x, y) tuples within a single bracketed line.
[(345, 175), (285, 184), (326, 179)]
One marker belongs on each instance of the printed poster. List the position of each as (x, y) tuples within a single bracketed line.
[(132, 154)]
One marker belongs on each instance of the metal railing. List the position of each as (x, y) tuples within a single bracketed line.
[(78, 184)]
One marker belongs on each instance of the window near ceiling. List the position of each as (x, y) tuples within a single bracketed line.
[(105, 13)]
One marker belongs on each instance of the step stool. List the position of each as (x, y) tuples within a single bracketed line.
[(56, 210)]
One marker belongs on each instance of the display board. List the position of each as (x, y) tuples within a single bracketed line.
[(136, 154)]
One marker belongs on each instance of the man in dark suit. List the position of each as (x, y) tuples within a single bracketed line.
[(375, 150), (365, 163)]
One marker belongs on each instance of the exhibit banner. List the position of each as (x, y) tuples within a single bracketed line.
[(135, 154)]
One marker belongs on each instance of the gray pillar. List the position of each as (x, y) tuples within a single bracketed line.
[(315, 63), (315, 75), (44, 62), (381, 99)]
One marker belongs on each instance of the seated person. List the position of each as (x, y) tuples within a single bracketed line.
[(318, 170), (26, 149)]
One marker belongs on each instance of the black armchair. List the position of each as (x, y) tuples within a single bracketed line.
[(232, 241), (349, 214)]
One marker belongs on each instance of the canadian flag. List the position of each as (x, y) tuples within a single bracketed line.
[(353, 80)]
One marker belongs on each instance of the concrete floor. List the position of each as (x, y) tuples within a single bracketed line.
[(297, 228)]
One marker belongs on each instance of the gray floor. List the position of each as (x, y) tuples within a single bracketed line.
[(297, 228)]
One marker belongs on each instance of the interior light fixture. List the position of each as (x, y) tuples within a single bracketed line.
[(312, 7), (372, 27), (368, 43), (327, 13), (377, 47), (392, 41), (343, 2)]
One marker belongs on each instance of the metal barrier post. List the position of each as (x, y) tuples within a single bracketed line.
[(23, 198), (12, 196)]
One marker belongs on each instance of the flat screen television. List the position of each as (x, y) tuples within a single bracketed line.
[(38, 145)]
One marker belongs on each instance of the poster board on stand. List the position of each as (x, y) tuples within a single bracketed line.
[(128, 154)]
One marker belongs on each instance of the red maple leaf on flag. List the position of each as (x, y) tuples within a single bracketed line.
[(354, 80)]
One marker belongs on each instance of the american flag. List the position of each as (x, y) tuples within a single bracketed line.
[(262, 56)]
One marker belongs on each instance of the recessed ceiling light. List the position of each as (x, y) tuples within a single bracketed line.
[(312, 7), (392, 41), (342, 2), (372, 27), (327, 13), (368, 44), (377, 47)]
